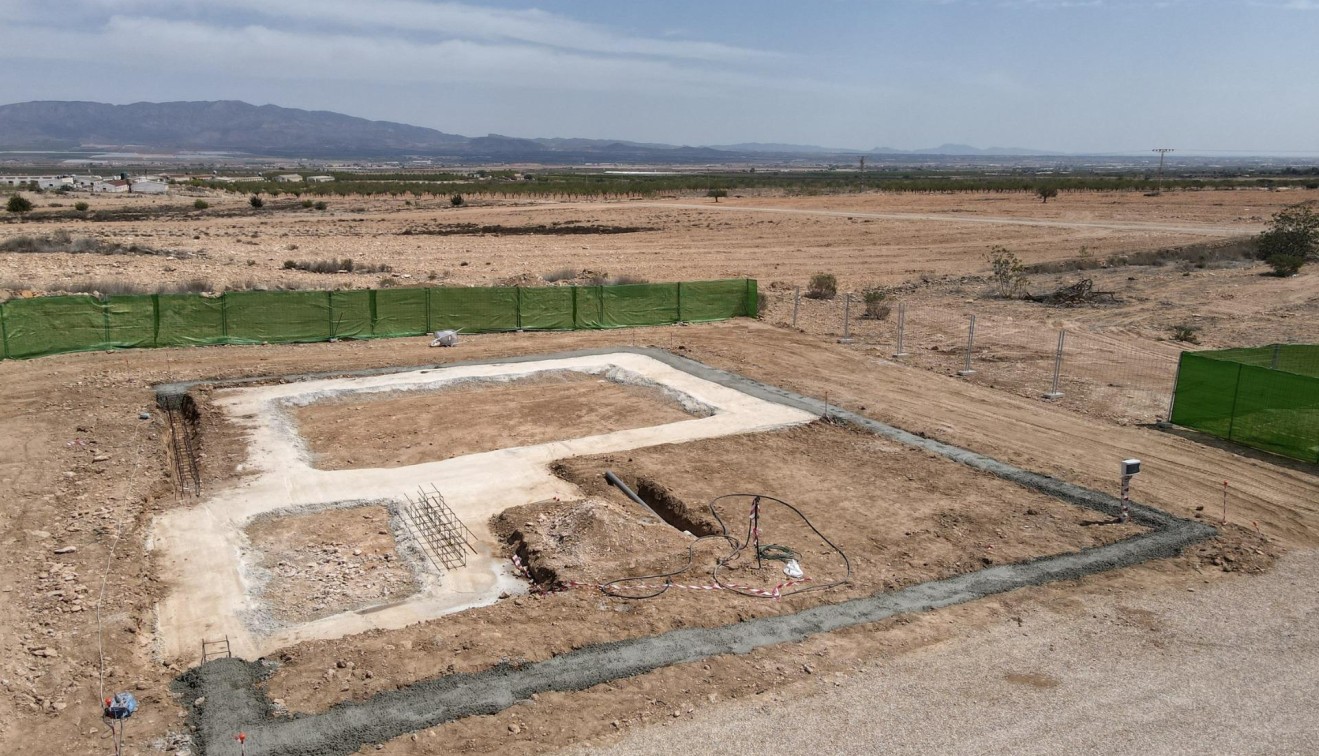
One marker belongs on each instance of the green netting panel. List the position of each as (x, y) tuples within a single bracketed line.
[(131, 321), (277, 316), (474, 310), (350, 314), (1302, 359), (588, 309), (1277, 412), (50, 325), (546, 308), (400, 312), (189, 320), (640, 304), (715, 300), (1205, 392)]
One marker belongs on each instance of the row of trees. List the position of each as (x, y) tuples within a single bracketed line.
[(573, 185)]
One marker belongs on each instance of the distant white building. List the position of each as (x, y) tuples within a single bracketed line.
[(148, 186), (114, 186), (43, 182), (320, 179), (289, 178)]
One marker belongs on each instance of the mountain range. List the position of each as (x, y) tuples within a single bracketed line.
[(230, 126)]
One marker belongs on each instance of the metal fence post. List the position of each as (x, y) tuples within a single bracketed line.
[(847, 320), (1172, 400), (1054, 393), (796, 304), (970, 346), (902, 327)]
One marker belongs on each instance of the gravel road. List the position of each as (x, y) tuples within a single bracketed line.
[(1231, 667)]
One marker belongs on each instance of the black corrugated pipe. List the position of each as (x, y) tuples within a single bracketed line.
[(618, 483)]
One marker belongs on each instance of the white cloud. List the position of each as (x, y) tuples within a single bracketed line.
[(442, 20), (479, 57)]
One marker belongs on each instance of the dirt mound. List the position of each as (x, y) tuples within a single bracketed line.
[(590, 540)]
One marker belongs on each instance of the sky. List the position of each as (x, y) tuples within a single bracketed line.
[(1206, 76)]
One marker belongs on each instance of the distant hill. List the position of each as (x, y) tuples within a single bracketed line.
[(226, 126), (777, 148), (268, 130), (238, 127)]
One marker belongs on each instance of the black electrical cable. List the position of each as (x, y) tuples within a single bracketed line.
[(769, 551), (847, 564)]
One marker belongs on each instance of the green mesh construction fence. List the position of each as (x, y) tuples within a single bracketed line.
[(50, 325), (1264, 397)]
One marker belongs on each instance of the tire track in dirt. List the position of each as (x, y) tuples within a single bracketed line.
[(1198, 229)]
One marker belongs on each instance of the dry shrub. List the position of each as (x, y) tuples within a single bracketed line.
[(823, 286)]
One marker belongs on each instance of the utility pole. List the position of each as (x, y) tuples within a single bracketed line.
[(1162, 151)]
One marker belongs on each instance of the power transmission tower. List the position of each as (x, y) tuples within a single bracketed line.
[(1162, 151)]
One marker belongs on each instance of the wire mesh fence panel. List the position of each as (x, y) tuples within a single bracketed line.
[(1005, 352), (1118, 376)]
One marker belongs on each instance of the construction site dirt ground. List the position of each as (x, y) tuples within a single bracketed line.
[(81, 476), (407, 428), (87, 468)]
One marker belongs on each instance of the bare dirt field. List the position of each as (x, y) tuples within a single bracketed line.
[(233, 246), (83, 475), (408, 428)]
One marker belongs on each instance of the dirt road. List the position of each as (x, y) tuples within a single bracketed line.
[(1229, 668), (1200, 229)]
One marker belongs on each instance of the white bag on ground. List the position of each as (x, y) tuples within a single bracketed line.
[(445, 339)]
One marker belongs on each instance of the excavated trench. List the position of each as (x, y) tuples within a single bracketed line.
[(234, 700)]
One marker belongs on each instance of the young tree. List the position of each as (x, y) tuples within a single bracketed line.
[(18, 204), (1291, 240), (1009, 274), (1046, 193)]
